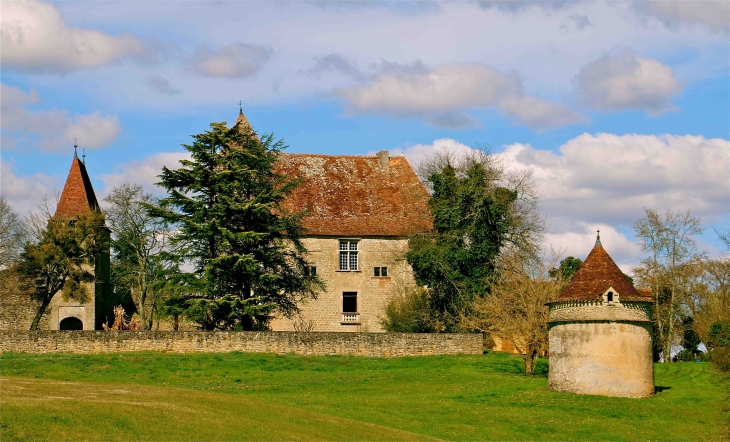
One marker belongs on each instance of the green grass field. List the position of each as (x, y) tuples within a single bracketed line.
[(235, 396)]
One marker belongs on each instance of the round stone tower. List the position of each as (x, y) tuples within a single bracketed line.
[(600, 333)]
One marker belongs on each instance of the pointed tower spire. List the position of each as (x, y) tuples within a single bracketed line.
[(242, 122), (598, 237), (76, 147), (78, 195)]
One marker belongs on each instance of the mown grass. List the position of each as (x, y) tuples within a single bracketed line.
[(235, 396)]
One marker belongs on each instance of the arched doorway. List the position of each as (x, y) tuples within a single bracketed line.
[(72, 324)]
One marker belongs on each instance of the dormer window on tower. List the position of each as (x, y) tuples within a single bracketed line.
[(610, 296)]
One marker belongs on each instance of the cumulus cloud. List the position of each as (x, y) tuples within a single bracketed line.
[(606, 178), (714, 15), (582, 238), (442, 94), (25, 192), (161, 85), (144, 172), (51, 130), (605, 181), (34, 38), (537, 113), (236, 60), (627, 81)]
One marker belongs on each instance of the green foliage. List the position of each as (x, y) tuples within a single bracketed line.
[(471, 220), (411, 313), (568, 267), (63, 258), (135, 396), (225, 205), (690, 340), (719, 335)]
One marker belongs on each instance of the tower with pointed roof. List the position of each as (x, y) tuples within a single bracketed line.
[(77, 198), (600, 333)]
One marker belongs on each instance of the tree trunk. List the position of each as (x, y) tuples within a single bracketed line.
[(39, 314)]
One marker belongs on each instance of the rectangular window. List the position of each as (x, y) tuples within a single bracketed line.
[(310, 271), (380, 271), (349, 302), (348, 254)]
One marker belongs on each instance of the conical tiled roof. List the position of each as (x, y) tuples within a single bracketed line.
[(243, 123), (78, 196), (595, 276)]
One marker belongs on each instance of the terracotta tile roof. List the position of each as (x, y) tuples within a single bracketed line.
[(356, 195), (595, 276), (78, 195)]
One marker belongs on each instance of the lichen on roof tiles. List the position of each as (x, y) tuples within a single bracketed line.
[(355, 195), (595, 276)]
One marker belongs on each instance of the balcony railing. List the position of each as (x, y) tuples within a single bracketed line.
[(350, 318)]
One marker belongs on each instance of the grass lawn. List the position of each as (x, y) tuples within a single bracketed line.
[(236, 396)]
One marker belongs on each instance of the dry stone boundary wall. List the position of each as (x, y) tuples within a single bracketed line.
[(320, 343)]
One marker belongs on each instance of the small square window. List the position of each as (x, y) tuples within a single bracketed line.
[(380, 271), (310, 270)]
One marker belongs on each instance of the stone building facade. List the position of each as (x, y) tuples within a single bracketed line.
[(359, 213), (600, 333)]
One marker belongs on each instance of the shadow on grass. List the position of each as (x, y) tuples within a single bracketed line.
[(659, 389), (517, 366)]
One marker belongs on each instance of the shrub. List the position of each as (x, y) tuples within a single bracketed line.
[(411, 313)]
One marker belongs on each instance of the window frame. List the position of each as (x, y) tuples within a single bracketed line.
[(352, 255), (349, 295)]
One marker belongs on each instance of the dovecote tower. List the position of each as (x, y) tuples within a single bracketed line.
[(600, 333), (78, 198)]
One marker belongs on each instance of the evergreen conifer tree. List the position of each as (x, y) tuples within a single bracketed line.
[(225, 203)]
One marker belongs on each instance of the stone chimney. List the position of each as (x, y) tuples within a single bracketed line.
[(384, 157)]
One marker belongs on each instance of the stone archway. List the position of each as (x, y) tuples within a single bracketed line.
[(71, 323)]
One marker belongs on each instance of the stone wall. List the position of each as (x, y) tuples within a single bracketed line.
[(373, 292), (17, 308), (601, 357), (353, 344), (597, 310)]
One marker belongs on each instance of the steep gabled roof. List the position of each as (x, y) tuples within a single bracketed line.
[(595, 276), (356, 195), (78, 196)]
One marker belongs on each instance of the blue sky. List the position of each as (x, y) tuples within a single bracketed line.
[(614, 106)]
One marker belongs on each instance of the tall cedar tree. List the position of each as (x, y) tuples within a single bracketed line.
[(225, 203), (471, 223), (63, 260)]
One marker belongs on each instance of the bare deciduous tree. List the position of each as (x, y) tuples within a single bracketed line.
[(138, 242), (515, 309), (671, 269)]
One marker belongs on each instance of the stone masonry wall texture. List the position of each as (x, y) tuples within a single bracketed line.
[(350, 344)]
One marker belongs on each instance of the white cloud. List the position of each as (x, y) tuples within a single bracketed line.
[(55, 129), (606, 178), (579, 242), (713, 14), (627, 81), (35, 38), (234, 60), (25, 192), (605, 181), (442, 94), (537, 113), (443, 89), (144, 172)]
